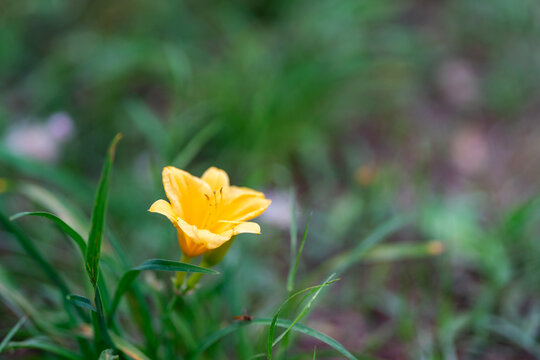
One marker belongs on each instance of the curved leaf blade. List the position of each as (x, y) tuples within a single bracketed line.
[(68, 230), (218, 335), (34, 253), (152, 264), (313, 289), (128, 349), (81, 301), (44, 345)]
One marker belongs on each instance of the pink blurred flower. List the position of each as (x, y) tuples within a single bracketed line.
[(40, 141)]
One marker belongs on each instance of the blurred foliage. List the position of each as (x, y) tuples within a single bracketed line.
[(359, 105)]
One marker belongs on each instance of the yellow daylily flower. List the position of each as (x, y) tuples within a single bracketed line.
[(207, 211)]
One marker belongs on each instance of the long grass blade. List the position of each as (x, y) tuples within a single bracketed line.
[(12, 333), (95, 237), (218, 335), (102, 320), (46, 346), (404, 251), (341, 262), (192, 148), (293, 230), (316, 291), (292, 271), (128, 349), (153, 264)]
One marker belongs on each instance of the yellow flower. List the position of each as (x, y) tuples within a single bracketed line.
[(207, 211)]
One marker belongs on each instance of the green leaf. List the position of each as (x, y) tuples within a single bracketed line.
[(44, 345), (108, 354), (293, 230), (10, 294), (81, 301), (12, 333), (93, 251), (294, 268), (128, 349), (57, 204), (148, 124), (404, 250), (341, 262), (102, 321), (153, 264), (514, 333), (192, 148), (44, 172), (74, 235), (34, 253), (314, 289), (218, 335)]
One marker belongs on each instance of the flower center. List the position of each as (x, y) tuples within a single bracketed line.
[(214, 202)]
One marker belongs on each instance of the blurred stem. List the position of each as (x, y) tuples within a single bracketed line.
[(194, 278), (178, 281), (181, 275)]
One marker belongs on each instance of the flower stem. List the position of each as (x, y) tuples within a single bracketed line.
[(180, 275), (194, 279)]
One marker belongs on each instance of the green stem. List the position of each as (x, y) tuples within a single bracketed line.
[(194, 279), (181, 275)]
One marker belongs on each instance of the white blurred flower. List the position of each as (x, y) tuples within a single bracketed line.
[(279, 212), (40, 141), (60, 126)]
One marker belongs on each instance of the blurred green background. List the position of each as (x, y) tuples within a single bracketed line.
[(371, 111)]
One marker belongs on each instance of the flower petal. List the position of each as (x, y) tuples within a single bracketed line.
[(244, 205), (216, 178), (164, 208), (197, 241), (247, 227), (186, 193)]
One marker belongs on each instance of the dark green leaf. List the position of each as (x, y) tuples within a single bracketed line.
[(102, 321), (81, 301), (93, 251)]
